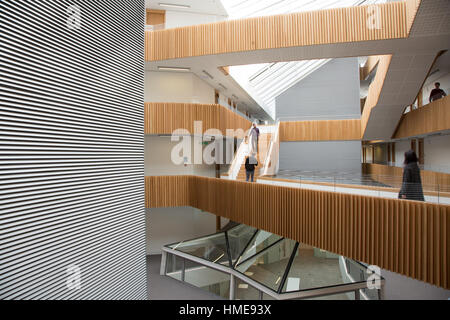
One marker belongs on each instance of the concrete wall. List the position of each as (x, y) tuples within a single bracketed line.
[(331, 92), (321, 156)]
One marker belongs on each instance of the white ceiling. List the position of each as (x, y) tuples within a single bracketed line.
[(214, 7)]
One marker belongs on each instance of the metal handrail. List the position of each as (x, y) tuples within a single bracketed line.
[(274, 137), (302, 294), (233, 162)]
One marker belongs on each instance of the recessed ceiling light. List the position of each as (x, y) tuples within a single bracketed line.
[(222, 86), (173, 5), (174, 69)]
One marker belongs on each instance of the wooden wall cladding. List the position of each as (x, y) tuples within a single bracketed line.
[(392, 176), (155, 17), (375, 90), (320, 130), (431, 118), (289, 30), (372, 62), (408, 237), (412, 6), (164, 118)]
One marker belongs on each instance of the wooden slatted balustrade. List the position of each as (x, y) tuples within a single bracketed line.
[(433, 117), (165, 118), (340, 25), (408, 237), (320, 130)]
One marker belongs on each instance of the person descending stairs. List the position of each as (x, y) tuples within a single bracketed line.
[(260, 154)]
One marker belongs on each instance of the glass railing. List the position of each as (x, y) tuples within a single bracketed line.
[(248, 264), (387, 186)]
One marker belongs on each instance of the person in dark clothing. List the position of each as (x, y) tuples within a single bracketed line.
[(250, 164), (437, 93), (412, 183)]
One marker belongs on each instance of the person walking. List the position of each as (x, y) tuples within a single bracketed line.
[(412, 183), (250, 164), (253, 139)]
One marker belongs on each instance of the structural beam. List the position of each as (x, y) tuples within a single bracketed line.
[(321, 27)]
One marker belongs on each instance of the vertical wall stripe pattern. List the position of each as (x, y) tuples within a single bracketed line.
[(72, 150)]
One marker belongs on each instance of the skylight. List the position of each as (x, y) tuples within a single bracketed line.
[(256, 8), (265, 82)]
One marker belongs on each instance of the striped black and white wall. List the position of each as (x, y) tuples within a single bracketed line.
[(72, 150)]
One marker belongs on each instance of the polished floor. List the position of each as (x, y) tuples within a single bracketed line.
[(348, 177)]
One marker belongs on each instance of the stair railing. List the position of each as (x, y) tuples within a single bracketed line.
[(271, 162), (238, 159)]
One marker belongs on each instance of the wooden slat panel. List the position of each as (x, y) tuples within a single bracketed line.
[(376, 227), (432, 118), (412, 6), (392, 176), (289, 30), (155, 17), (164, 118), (320, 130)]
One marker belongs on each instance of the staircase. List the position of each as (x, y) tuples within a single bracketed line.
[(263, 146), (266, 149)]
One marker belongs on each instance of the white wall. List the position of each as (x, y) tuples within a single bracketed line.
[(158, 159), (184, 87), (437, 153), (331, 92), (169, 225), (176, 19)]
